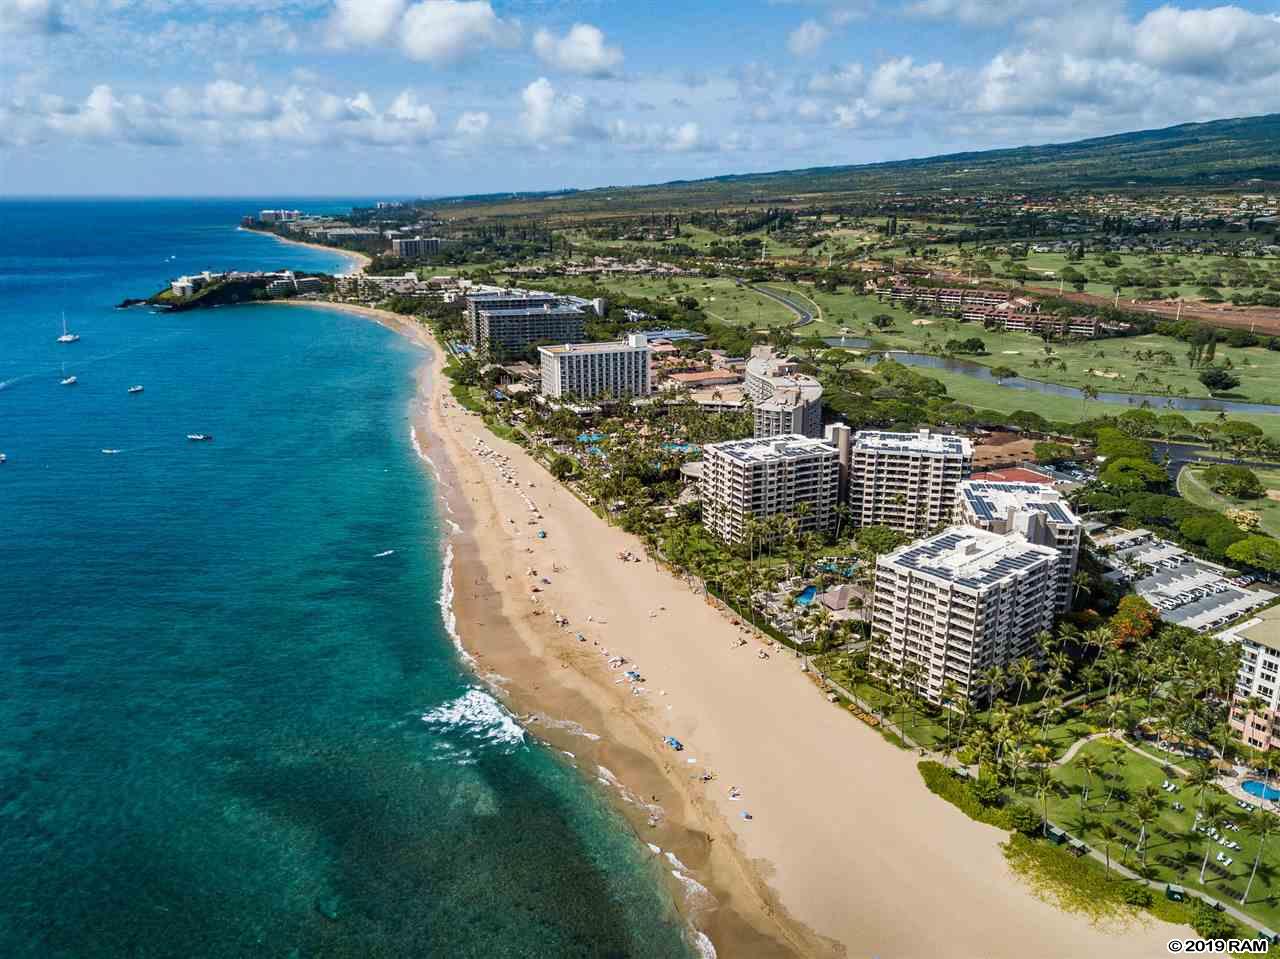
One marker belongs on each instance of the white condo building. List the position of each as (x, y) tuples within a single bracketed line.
[(1035, 511), (957, 604), (906, 481), (794, 476), (589, 371), (785, 400)]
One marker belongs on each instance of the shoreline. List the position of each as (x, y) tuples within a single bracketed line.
[(847, 852), (361, 261)]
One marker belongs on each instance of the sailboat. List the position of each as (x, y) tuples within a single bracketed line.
[(135, 389), (68, 380), (67, 337)]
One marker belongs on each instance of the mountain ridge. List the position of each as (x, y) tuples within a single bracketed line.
[(1223, 153)]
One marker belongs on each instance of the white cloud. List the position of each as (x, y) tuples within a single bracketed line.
[(364, 22), (1221, 41), (41, 17), (983, 12), (472, 124), (686, 137), (229, 98), (901, 83), (842, 81), (806, 39), (582, 50), (550, 117), (226, 113), (444, 30)]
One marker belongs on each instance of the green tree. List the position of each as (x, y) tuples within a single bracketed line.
[(1260, 552)]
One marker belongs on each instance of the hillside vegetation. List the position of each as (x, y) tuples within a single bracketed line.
[(1218, 154)]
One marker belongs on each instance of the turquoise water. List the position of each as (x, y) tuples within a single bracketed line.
[(806, 596), (228, 725), (1260, 789)]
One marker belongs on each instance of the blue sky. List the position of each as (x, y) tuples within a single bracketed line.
[(433, 97)]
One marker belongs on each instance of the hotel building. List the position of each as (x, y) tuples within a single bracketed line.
[(794, 476), (785, 400), (1033, 511), (906, 481), (415, 248), (949, 607), (1258, 676), (507, 322), (589, 371)]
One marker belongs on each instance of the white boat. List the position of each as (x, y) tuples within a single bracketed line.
[(3, 457), (111, 452), (67, 337), (68, 380), (199, 437), (135, 389)]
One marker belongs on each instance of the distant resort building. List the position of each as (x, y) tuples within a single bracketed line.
[(505, 322), (950, 607), (278, 216), (999, 309), (591, 371), (415, 248), (793, 476), (1033, 511), (906, 481), (785, 400)]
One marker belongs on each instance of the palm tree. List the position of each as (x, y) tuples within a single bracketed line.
[(1046, 786), (949, 693), (1089, 765), (1145, 811), (1023, 670), (1108, 834), (1259, 824), (1201, 778), (1212, 814), (1087, 393)]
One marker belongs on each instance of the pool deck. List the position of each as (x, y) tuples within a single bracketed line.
[(1234, 787)]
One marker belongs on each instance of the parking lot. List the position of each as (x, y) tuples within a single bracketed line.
[(1187, 591)]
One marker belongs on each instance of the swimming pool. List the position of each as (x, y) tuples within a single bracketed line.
[(806, 597), (1260, 789)]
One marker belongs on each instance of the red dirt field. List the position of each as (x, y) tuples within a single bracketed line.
[(1259, 319)]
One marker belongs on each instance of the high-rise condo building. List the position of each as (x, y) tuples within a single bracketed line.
[(507, 322), (792, 476), (906, 481), (950, 607), (1034, 511)]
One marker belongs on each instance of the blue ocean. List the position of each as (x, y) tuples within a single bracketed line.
[(232, 722)]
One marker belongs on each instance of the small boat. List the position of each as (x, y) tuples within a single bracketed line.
[(135, 389), (68, 380), (199, 437), (112, 452), (3, 457), (67, 337), (385, 552)]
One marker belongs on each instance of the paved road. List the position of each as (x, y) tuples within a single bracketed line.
[(803, 316)]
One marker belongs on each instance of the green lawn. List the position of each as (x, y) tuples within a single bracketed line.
[(720, 297), (1193, 487), (1174, 850), (1138, 364), (991, 396)]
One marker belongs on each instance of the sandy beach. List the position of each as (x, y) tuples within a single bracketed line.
[(358, 260), (846, 852)]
